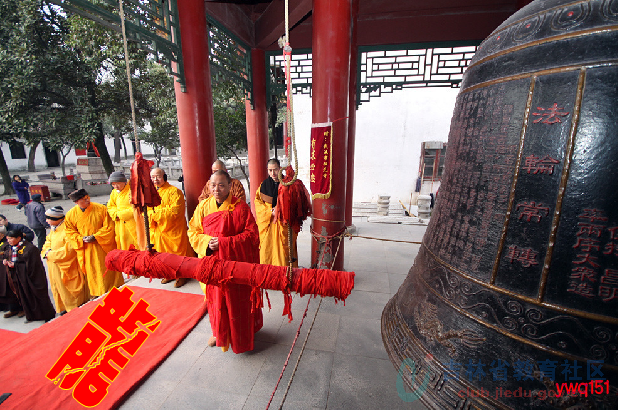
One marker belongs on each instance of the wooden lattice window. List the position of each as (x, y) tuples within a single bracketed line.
[(433, 154)]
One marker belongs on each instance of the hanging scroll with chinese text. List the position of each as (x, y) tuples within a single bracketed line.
[(321, 160)]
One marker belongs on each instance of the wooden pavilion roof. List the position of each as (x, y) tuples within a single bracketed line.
[(260, 23)]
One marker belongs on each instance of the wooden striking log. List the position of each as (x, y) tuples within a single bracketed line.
[(217, 272)]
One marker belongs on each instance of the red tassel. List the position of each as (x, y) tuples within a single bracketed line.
[(268, 300), (143, 191), (287, 306), (293, 202)]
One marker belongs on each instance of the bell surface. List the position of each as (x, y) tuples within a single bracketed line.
[(512, 301)]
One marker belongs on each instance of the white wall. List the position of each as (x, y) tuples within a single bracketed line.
[(389, 133), (40, 162)]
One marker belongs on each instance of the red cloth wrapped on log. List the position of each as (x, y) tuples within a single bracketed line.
[(214, 271), (293, 202)]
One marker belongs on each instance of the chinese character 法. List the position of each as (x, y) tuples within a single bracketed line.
[(552, 113)]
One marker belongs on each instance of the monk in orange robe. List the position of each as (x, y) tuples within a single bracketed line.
[(90, 230), (68, 282), (168, 223), (121, 211), (223, 226), (236, 188)]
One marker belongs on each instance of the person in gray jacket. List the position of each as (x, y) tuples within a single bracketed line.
[(35, 212)]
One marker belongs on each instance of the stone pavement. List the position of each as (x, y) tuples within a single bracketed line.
[(344, 365)]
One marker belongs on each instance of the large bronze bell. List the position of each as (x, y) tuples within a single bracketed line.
[(512, 301)]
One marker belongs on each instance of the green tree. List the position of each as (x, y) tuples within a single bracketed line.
[(75, 130), (18, 66), (102, 50), (41, 80), (62, 76), (230, 120), (158, 89), (99, 49)]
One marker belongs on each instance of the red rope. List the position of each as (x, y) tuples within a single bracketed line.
[(287, 360), (287, 53), (328, 243), (328, 240)]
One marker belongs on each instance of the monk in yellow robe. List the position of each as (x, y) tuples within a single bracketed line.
[(90, 231), (121, 211), (68, 282), (274, 248), (236, 188), (168, 224)]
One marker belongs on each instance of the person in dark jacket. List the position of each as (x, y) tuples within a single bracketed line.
[(21, 189), (35, 212), (27, 278), (8, 299), (28, 234)]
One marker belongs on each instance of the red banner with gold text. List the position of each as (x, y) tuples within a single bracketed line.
[(321, 160)]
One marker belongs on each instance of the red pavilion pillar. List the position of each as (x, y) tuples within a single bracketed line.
[(194, 106), (330, 103), (257, 125), (352, 116)]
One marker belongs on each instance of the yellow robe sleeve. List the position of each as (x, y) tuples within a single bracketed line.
[(117, 205), (46, 245), (112, 204), (63, 255), (168, 224), (274, 249), (106, 235), (125, 214), (263, 213), (65, 258), (197, 238), (171, 206), (71, 229)]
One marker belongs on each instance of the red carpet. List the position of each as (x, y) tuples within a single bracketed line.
[(26, 358), (8, 336)]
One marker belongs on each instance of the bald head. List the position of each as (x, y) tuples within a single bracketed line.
[(157, 175), (218, 165)]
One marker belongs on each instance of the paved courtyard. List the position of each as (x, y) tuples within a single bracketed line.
[(344, 365)]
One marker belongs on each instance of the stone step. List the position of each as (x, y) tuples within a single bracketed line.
[(89, 176), (403, 220)]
